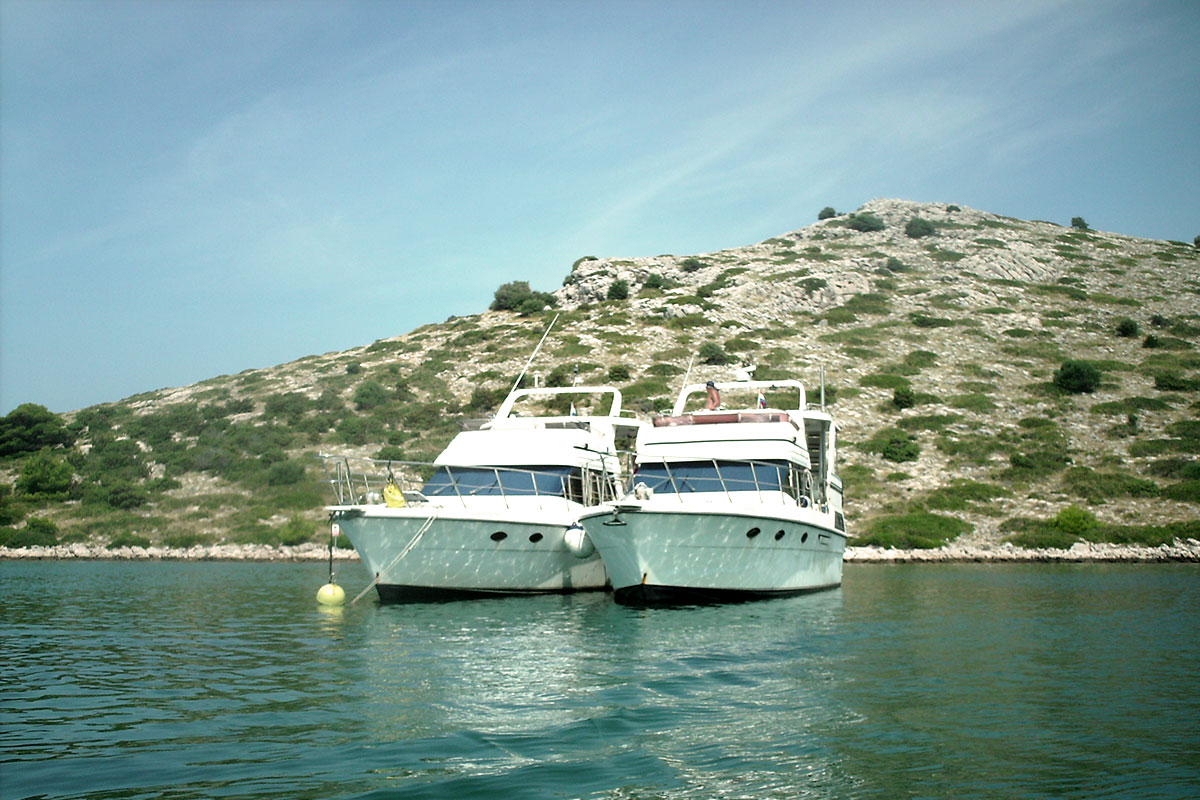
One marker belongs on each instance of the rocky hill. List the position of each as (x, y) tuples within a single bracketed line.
[(940, 330)]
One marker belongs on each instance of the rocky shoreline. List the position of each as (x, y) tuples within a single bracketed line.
[(1187, 550)]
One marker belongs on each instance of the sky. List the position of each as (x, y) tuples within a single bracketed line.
[(195, 188)]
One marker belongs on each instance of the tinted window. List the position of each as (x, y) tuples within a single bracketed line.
[(477, 481), (710, 476)]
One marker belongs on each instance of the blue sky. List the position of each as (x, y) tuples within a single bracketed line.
[(190, 189)]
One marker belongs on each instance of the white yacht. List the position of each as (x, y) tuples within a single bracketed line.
[(728, 502), (495, 514)]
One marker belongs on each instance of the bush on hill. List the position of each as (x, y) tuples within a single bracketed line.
[(517, 296), (828, 212), (713, 353), (43, 474), (1127, 328), (1077, 377), (865, 223), (918, 227), (38, 532), (30, 427)]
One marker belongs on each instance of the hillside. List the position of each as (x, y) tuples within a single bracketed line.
[(965, 319)]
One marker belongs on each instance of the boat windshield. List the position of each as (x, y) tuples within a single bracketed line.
[(474, 481), (714, 476)]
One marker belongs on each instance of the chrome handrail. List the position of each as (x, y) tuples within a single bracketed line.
[(344, 474)]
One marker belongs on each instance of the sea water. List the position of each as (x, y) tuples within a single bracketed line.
[(227, 680)]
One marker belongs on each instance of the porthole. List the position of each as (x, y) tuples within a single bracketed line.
[(778, 535), (750, 534), (499, 536), (535, 537), (804, 537)]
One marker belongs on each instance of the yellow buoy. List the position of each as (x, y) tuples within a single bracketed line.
[(331, 595)]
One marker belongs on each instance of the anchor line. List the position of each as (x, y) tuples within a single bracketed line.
[(408, 547)]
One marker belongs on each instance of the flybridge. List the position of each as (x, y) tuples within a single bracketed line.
[(743, 386)]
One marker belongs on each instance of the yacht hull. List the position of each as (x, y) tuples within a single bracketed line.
[(655, 555), (458, 555)]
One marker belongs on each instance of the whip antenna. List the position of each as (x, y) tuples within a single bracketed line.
[(534, 354)]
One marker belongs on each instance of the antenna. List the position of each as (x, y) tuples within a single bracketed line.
[(688, 372), (822, 387), (533, 355)]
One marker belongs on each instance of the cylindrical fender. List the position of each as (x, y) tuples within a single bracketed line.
[(577, 541)]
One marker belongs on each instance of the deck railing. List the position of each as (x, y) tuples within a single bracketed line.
[(766, 479), (362, 481)]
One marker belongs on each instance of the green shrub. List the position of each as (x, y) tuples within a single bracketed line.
[(920, 359), (370, 394), (713, 353), (618, 290), (1077, 377), (975, 401), (865, 223), (285, 473), (128, 540), (895, 265), (1098, 487), (926, 321), (1079, 224), (1127, 328), (38, 532), (961, 495), (929, 422), (918, 227), (1184, 491), (182, 541), (903, 397), (30, 427), (619, 373), (656, 281), (1075, 521), (45, 475), (514, 296), (1176, 468), (1174, 382), (828, 212), (918, 529), (894, 444), (691, 264), (1150, 342), (125, 496)]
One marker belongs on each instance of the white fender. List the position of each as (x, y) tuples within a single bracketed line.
[(577, 541)]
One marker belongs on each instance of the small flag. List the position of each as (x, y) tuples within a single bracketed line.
[(762, 401), (573, 410)]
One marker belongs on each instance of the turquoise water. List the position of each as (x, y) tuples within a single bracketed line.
[(225, 680)]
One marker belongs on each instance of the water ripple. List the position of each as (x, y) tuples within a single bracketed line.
[(226, 681)]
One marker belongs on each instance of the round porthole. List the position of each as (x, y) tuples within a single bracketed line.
[(750, 534), (778, 535), (499, 536), (804, 537), (535, 537)]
